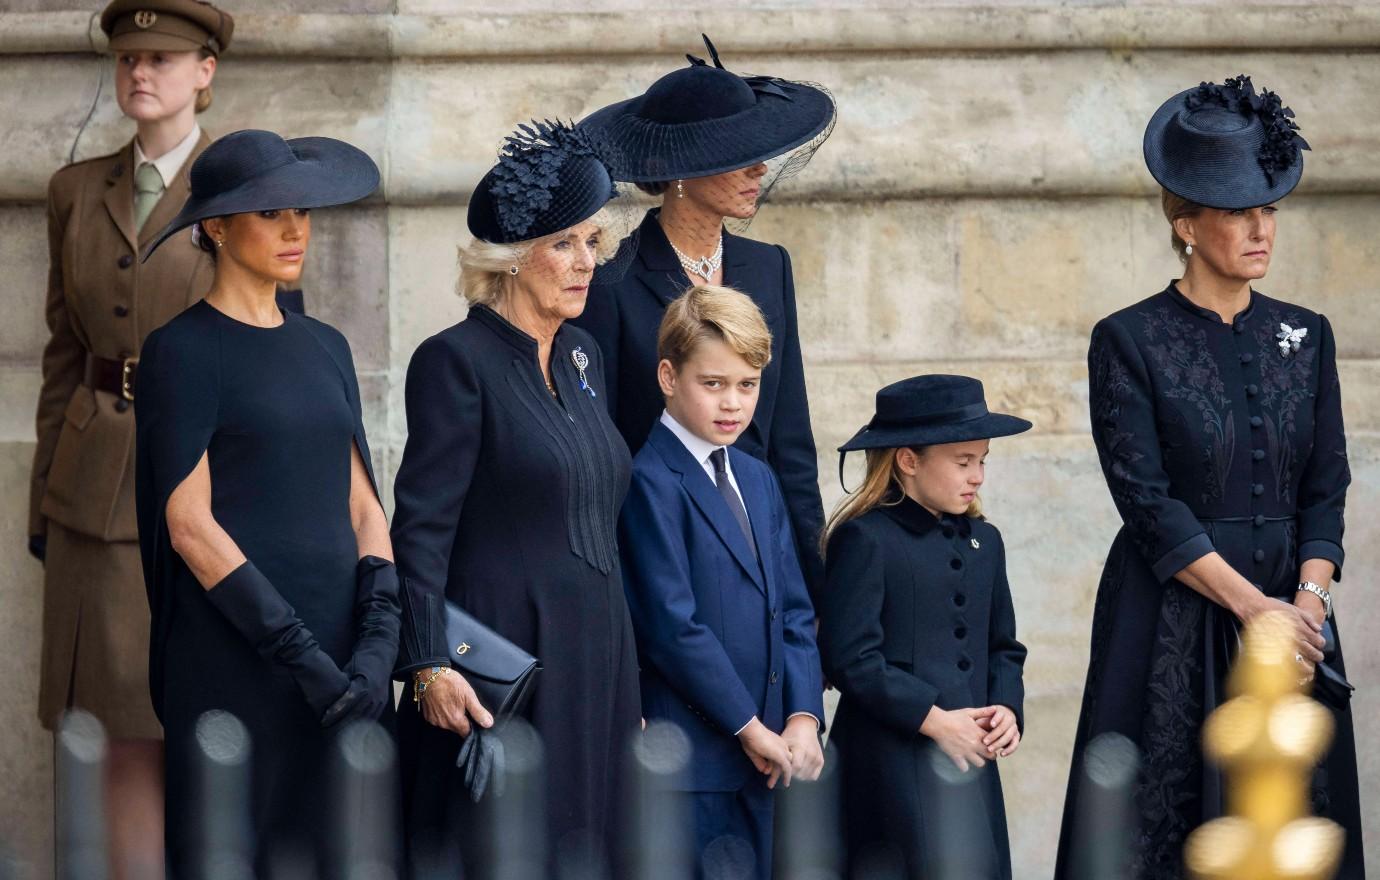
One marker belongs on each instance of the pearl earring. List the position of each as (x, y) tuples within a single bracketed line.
[(1188, 249), (220, 243), (680, 189), (512, 270)]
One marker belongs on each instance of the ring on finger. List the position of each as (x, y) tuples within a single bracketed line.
[(1298, 658)]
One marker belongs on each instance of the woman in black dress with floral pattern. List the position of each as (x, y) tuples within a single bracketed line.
[(1217, 415)]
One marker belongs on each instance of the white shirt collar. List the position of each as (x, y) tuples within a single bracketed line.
[(172, 161), (699, 449)]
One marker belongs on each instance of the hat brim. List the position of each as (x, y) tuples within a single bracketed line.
[(151, 41), (645, 151), (1227, 186), (892, 437), (327, 173)]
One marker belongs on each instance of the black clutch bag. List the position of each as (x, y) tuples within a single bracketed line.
[(1329, 687), (501, 673)]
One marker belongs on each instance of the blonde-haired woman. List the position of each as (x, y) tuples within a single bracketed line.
[(918, 633), (102, 302), (507, 504)]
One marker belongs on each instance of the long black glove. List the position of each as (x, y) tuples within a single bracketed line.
[(255, 607), (377, 613)]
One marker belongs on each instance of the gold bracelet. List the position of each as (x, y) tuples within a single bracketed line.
[(419, 687)]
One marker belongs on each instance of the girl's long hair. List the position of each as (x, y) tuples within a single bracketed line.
[(881, 487)]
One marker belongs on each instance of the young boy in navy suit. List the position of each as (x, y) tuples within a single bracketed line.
[(724, 625)]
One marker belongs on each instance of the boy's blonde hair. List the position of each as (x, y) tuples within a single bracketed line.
[(707, 311)]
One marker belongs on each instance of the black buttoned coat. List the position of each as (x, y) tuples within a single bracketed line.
[(624, 316), (1212, 437), (917, 613)]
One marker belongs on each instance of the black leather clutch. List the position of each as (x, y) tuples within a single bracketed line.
[(501, 673), (1329, 687)]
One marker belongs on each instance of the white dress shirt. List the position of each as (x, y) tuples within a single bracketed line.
[(172, 161), (700, 450)]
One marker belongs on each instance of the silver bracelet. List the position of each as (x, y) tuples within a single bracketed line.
[(1324, 595)]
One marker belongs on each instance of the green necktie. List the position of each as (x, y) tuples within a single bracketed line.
[(148, 189)]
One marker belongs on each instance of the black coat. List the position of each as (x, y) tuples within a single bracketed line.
[(624, 317), (507, 505), (917, 613), (1211, 439)]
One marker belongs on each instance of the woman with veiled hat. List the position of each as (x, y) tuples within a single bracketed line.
[(1217, 415), (507, 503), (265, 547), (713, 144)]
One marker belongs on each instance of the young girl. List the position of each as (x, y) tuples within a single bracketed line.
[(918, 633)]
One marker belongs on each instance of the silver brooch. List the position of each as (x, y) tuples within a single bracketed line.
[(1289, 339), (581, 361), (975, 544)]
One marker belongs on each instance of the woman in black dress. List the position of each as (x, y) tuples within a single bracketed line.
[(507, 503), (713, 144), (1217, 416), (266, 551)]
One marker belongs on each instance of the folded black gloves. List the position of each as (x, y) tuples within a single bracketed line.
[(484, 762), (255, 607), (376, 644)]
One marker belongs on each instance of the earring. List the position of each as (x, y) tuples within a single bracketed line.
[(220, 243), (680, 189), (512, 270), (1188, 249)]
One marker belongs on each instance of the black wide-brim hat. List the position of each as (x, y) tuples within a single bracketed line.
[(704, 120), (929, 410), (549, 177), (252, 170), (1224, 146)]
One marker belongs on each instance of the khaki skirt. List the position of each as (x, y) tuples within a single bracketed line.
[(96, 634)]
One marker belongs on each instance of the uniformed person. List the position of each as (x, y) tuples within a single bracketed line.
[(102, 302)]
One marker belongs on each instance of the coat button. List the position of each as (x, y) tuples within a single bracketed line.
[(960, 600), (1246, 357), (948, 532), (125, 261), (773, 677), (773, 614), (965, 664), (1258, 454), (1259, 520), (1258, 556), (955, 564), (1239, 327), (960, 632), (1256, 421), (121, 311), (1252, 390), (1258, 489), (121, 405)]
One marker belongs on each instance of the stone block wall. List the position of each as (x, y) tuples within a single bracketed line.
[(981, 204)]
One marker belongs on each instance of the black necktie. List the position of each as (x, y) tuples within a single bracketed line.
[(735, 504)]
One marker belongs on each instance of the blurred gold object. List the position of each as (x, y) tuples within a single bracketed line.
[(1267, 739)]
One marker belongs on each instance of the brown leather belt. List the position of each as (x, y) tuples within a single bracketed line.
[(112, 375)]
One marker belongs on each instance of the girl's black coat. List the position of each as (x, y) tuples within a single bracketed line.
[(917, 613)]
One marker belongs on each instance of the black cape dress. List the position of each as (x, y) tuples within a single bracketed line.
[(1211, 438), (276, 410), (507, 504)]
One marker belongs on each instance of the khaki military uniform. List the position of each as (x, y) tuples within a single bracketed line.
[(102, 302)]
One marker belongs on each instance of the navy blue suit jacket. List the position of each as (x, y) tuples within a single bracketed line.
[(624, 316), (721, 638)]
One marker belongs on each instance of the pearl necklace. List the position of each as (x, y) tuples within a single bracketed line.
[(705, 267)]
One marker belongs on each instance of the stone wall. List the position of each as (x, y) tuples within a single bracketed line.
[(981, 203)]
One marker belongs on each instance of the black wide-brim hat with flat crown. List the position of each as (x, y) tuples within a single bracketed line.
[(933, 409), (1224, 146), (549, 177), (251, 170), (704, 120)]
